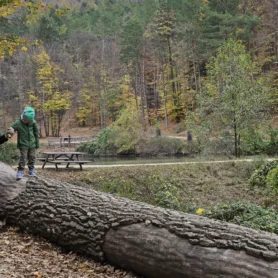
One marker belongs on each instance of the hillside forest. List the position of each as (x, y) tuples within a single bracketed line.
[(209, 66)]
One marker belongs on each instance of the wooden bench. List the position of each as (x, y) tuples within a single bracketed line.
[(44, 159), (68, 162)]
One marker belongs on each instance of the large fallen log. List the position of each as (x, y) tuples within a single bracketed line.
[(148, 240)]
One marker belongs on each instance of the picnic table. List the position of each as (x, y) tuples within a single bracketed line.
[(58, 158)]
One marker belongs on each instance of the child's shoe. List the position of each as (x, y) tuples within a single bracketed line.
[(32, 172), (19, 175)]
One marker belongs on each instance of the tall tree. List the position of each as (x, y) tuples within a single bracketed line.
[(239, 97), (50, 102), (164, 24), (132, 54)]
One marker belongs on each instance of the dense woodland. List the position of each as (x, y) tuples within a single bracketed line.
[(88, 63)]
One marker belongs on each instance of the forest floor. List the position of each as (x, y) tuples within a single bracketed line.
[(27, 256)]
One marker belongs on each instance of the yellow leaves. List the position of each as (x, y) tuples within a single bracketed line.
[(61, 12), (9, 43), (86, 105), (13, 5), (200, 211), (9, 8), (49, 99), (35, 10), (126, 88)]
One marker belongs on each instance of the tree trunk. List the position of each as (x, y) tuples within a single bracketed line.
[(165, 98), (152, 241)]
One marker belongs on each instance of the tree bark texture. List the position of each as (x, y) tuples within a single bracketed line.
[(9, 189), (152, 241)]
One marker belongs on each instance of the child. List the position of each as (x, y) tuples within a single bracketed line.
[(27, 141), (6, 136)]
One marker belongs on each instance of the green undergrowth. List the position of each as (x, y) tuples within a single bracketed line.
[(266, 177), (245, 214), (216, 190), (180, 187), (8, 153)]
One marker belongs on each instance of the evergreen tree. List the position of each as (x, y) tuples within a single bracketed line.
[(221, 20)]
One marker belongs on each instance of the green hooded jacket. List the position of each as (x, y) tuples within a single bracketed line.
[(27, 134)]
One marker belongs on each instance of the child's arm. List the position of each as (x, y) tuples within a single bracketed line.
[(13, 127), (36, 134)]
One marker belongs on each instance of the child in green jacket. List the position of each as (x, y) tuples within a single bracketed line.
[(27, 141)]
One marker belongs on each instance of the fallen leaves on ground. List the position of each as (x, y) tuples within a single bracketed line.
[(25, 256)]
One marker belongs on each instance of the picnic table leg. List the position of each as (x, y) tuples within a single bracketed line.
[(71, 158), (80, 164), (56, 165), (43, 164), (45, 161)]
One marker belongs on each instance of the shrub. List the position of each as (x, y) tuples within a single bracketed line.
[(253, 143), (259, 176), (180, 127), (8, 153), (272, 146), (163, 145), (245, 214), (219, 146), (88, 147), (166, 196), (128, 131), (104, 145), (272, 181)]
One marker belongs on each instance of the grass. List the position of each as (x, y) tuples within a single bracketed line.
[(215, 190), (185, 187)]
